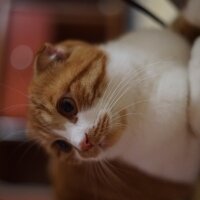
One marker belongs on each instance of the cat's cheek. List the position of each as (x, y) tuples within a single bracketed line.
[(115, 133), (112, 139)]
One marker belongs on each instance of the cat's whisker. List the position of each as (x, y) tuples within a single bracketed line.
[(113, 103), (141, 81), (108, 99), (14, 107), (22, 80), (116, 89), (29, 148), (14, 89), (119, 116), (135, 113), (108, 87), (116, 178), (104, 174), (89, 173), (102, 101), (119, 90), (102, 171), (7, 136), (120, 173), (123, 89), (157, 62), (125, 81), (21, 144), (111, 126), (116, 119), (100, 177), (130, 105), (117, 98), (108, 164), (128, 114)]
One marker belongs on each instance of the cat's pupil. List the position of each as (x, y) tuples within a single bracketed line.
[(67, 107)]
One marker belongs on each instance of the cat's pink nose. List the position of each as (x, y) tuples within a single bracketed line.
[(85, 144)]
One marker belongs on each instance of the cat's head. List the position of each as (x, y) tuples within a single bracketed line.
[(69, 111)]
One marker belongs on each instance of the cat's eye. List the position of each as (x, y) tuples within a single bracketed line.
[(66, 106), (62, 145)]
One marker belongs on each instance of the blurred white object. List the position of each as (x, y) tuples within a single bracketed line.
[(163, 9)]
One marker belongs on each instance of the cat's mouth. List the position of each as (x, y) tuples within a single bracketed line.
[(91, 153), (90, 149)]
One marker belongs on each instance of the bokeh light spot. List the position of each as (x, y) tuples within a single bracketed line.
[(21, 57)]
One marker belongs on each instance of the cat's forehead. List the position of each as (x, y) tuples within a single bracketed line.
[(81, 74)]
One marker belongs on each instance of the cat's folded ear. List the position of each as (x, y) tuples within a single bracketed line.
[(47, 56)]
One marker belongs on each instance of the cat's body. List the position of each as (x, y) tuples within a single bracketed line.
[(158, 138), (132, 100)]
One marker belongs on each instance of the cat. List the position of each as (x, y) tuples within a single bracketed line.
[(127, 101)]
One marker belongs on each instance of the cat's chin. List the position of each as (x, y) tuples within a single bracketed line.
[(94, 154)]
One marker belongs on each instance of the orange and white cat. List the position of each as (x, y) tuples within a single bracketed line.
[(132, 99)]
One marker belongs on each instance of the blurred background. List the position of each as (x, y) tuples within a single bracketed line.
[(24, 26)]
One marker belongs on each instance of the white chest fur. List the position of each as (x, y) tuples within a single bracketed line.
[(158, 139)]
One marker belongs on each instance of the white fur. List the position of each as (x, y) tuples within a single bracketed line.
[(158, 139)]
